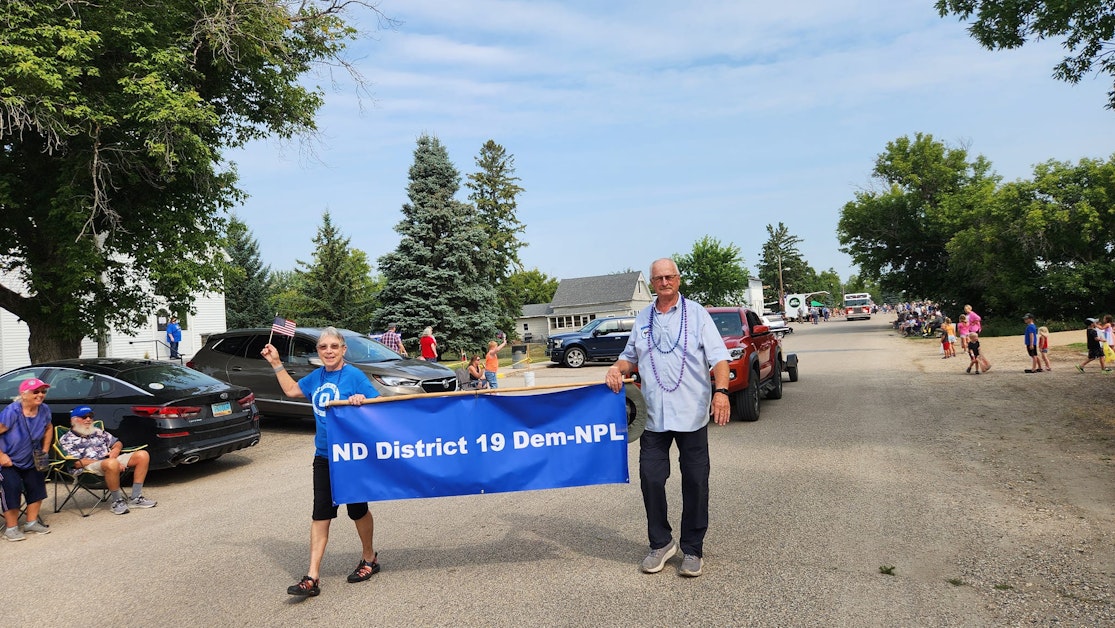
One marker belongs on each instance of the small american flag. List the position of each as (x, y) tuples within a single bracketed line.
[(282, 326)]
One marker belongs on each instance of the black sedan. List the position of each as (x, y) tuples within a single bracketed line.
[(183, 416)]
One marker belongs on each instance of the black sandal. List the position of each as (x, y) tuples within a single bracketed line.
[(306, 587), (365, 569)]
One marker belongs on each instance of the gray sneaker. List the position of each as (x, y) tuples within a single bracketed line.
[(38, 527), (120, 507), (142, 502), (13, 534), (691, 566), (656, 559)]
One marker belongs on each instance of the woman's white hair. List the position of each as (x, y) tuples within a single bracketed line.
[(331, 332)]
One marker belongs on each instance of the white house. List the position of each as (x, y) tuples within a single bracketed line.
[(582, 299), (148, 341)]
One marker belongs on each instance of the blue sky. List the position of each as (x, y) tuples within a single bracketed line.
[(640, 127)]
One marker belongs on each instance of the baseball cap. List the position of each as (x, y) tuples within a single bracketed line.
[(32, 384), (80, 411), (1027, 315)]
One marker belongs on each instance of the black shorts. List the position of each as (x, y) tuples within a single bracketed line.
[(15, 482), (1032, 351), (324, 510)]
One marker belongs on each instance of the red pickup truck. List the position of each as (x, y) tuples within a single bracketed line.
[(757, 362)]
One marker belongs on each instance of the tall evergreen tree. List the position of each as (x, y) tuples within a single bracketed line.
[(781, 265), (246, 279), (337, 287), (494, 189), (439, 274)]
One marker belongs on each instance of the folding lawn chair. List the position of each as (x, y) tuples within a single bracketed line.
[(73, 481)]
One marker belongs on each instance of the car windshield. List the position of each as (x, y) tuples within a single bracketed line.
[(591, 326), (728, 323), (167, 376), (365, 351)]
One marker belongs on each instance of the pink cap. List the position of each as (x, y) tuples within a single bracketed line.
[(32, 384)]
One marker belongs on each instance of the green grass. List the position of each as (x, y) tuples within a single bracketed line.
[(886, 570), (956, 582)]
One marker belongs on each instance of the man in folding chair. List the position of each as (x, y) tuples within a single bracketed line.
[(99, 453)]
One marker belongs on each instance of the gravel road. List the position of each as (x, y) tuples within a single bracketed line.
[(989, 501)]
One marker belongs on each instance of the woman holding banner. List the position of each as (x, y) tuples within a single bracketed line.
[(333, 380)]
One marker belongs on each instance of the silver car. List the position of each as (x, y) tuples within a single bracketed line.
[(234, 357)]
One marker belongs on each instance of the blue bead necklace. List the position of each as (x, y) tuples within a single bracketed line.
[(657, 348)]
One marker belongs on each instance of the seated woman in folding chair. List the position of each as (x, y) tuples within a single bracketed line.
[(24, 428), (99, 453)]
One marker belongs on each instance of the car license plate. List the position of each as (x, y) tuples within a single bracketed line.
[(223, 408)]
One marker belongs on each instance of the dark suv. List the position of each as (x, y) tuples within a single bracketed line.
[(234, 357), (601, 339)]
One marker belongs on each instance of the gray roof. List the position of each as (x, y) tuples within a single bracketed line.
[(536, 309), (599, 289)]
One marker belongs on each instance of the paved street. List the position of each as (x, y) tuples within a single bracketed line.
[(842, 476)]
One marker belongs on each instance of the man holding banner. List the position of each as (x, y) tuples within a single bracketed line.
[(675, 344), (333, 380)]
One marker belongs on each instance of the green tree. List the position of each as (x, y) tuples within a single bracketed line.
[(781, 265), (114, 117), (245, 279), (284, 288), (437, 276), (494, 192), (1087, 26), (337, 287), (897, 235), (533, 286), (712, 273)]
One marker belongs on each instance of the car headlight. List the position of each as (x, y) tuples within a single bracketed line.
[(556, 344), (392, 380), (736, 353)]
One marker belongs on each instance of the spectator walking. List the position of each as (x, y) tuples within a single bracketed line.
[(975, 323), (1043, 346), (675, 346), (428, 344), (393, 340), (1095, 347), (1030, 339)]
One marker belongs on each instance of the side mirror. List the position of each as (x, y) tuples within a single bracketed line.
[(315, 362), (759, 330)]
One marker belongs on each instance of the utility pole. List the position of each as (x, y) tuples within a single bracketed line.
[(781, 287)]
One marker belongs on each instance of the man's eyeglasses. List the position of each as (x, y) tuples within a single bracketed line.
[(661, 278), (88, 417), (334, 346)]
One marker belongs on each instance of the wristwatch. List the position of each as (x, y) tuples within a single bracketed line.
[(720, 390)]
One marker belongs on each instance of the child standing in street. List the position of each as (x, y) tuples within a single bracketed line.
[(1030, 339), (1043, 346), (1095, 349), (947, 338), (962, 331)]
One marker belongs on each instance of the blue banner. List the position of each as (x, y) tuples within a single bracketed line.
[(467, 445)]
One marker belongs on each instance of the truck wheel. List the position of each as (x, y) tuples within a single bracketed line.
[(775, 391), (746, 406), (636, 412), (574, 357), (793, 371)]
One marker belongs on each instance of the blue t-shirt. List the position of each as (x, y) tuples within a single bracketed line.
[(1031, 336), (16, 442), (322, 386), (173, 332)]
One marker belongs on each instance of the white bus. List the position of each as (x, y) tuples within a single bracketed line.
[(858, 305)]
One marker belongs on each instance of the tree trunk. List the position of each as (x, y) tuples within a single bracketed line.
[(44, 346)]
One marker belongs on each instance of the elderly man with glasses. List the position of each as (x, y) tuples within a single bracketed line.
[(99, 453), (24, 432), (675, 344)]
